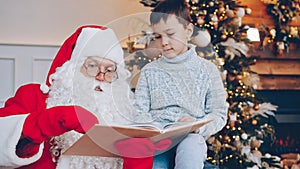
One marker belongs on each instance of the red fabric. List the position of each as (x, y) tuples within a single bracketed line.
[(29, 98), (45, 162), (57, 120), (137, 153), (65, 52)]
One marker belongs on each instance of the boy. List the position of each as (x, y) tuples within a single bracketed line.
[(180, 86)]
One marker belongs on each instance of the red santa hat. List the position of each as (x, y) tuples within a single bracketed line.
[(87, 41)]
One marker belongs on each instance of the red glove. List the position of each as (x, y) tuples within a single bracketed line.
[(138, 153), (55, 121)]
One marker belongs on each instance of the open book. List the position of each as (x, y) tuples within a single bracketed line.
[(100, 139), (162, 128)]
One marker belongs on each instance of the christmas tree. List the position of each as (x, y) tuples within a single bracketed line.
[(221, 37)]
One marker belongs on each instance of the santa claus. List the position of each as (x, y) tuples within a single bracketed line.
[(94, 78), (87, 82)]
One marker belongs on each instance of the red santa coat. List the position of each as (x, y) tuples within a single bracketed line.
[(30, 99)]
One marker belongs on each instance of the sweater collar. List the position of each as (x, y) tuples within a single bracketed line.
[(182, 57)]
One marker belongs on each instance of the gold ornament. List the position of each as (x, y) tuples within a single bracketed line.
[(265, 164), (254, 122), (223, 37), (227, 139), (239, 77)]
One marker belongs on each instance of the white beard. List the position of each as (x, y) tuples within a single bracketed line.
[(80, 90)]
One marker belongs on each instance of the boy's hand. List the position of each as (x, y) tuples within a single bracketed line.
[(188, 119)]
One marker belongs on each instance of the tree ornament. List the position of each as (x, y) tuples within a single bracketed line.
[(280, 48), (240, 12), (256, 107), (265, 164), (294, 31), (221, 9), (232, 116), (248, 11), (200, 20), (255, 143), (245, 150), (214, 18), (244, 136), (230, 13), (254, 122), (239, 77), (202, 39), (273, 33), (227, 139), (223, 37)]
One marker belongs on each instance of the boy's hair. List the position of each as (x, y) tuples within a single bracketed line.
[(166, 7)]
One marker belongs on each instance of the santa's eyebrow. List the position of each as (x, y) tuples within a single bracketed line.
[(102, 60)]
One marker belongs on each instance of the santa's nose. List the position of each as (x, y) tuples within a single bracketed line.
[(100, 77)]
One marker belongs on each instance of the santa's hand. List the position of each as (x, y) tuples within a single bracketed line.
[(56, 121), (137, 153)]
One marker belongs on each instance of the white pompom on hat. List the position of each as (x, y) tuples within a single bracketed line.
[(98, 42)]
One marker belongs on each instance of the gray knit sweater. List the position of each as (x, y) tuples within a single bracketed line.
[(185, 85)]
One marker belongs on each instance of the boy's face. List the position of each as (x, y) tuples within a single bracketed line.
[(172, 37)]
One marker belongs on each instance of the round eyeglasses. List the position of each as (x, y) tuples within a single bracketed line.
[(93, 69)]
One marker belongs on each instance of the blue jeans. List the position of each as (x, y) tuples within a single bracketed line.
[(190, 153)]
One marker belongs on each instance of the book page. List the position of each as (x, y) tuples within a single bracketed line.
[(152, 126)]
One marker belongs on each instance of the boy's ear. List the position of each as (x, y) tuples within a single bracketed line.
[(190, 30)]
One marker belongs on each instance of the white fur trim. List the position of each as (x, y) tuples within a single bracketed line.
[(97, 42), (44, 88), (11, 127)]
